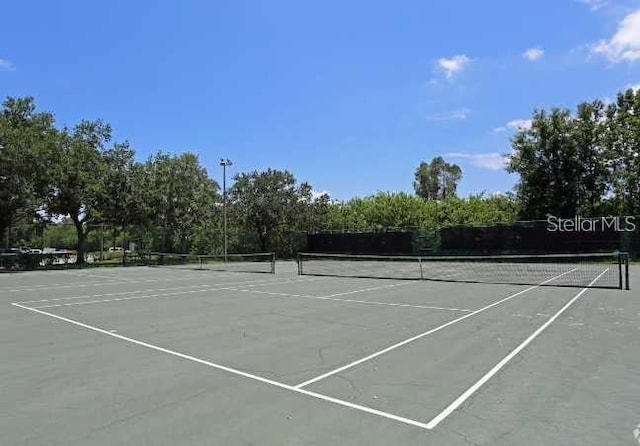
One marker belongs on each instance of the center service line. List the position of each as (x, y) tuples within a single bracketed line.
[(422, 335), (471, 390), (349, 301)]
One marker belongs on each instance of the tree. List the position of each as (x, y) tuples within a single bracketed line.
[(311, 210), (437, 180), (401, 210), (268, 203), (179, 199), (27, 139), (560, 161), (77, 177), (589, 127), (116, 204), (540, 156), (622, 149)]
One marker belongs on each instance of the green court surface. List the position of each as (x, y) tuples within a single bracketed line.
[(162, 356)]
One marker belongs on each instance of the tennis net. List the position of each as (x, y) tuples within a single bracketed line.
[(576, 270), (251, 263)]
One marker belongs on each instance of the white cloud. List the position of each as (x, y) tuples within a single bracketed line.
[(519, 124), (452, 65), (533, 54), (491, 161), (634, 87), (459, 114), (594, 5), (6, 65), (315, 194), (499, 129), (624, 45)]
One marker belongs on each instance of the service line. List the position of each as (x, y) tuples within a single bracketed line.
[(356, 301), (474, 388), (422, 335), (155, 290), (157, 295), (145, 279)]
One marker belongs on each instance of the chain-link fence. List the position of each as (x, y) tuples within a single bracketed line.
[(520, 237), (57, 244)]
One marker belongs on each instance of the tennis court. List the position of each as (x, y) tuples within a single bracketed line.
[(183, 354)]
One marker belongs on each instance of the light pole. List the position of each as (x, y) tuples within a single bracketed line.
[(224, 162)]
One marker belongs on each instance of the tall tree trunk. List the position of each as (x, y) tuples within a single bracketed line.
[(82, 239), (263, 237)]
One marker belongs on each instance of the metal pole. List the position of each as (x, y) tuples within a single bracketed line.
[(224, 162), (224, 207)]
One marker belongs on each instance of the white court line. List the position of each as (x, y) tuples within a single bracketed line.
[(235, 371), (19, 288), (355, 301), (148, 296), (234, 287), (90, 284), (73, 273), (471, 390), (153, 290), (364, 290), (146, 279), (422, 335), (123, 293)]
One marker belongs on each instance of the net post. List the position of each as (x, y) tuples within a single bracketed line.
[(620, 260), (421, 270), (626, 271), (299, 261), (273, 263)]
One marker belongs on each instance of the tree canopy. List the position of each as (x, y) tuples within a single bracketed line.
[(437, 180), (583, 162)]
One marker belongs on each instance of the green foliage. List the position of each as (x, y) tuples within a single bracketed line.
[(77, 177), (117, 200), (437, 180), (272, 205), (584, 163), (177, 199), (622, 149), (60, 237), (26, 141), (587, 163), (400, 210)]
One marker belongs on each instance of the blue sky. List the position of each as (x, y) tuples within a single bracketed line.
[(349, 96)]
